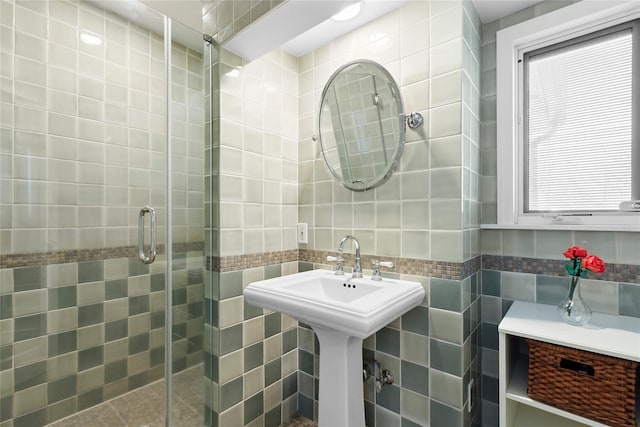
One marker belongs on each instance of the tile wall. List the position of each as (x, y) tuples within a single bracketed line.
[(81, 150), (527, 265), (251, 354), (427, 211), (225, 18)]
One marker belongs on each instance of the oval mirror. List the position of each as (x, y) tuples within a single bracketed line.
[(361, 125)]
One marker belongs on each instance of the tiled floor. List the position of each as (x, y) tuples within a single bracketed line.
[(145, 406), (300, 421)]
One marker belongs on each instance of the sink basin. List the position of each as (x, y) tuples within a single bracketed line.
[(357, 307), (342, 312)]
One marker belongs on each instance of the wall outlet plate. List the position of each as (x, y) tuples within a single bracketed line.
[(303, 233)]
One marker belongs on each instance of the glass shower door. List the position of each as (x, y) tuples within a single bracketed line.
[(187, 112), (83, 148)]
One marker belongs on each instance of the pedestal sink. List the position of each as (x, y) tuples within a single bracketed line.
[(342, 312)]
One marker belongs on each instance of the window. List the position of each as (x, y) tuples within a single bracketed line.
[(566, 94)]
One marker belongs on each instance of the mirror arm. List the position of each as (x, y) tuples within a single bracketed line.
[(414, 120)]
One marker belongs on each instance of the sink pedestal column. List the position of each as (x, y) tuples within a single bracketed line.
[(341, 399)]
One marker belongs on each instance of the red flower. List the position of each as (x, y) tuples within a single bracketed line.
[(594, 264), (575, 252)]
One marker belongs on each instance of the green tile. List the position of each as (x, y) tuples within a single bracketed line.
[(490, 335), (114, 289), (289, 385), (195, 276), (446, 357), (272, 324), (444, 416), (63, 342), (90, 357), (138, 305), (6, 408), (90, 314), (61, 389), (230, 284), (157, 282), (156, 356), (63, 297), (28, 278), (6, 357), (491, 283), (62, 409), (230, 339), (138, 380), (389, 398), (388, 341), (446, 294), (138, 343), (116, 330), (629, 300), (305, 362), (551, 289), (253, 407), (29, 375), (137, 267), (6, 306), (251, 311), (90, 271), (416, 320), (274, 416), (289, 340), (179, 296), (30, 327), (415, 377), (253, 356), (36, 418), (157, 319), (115, 371), (272, 372), (272, 271), (89, 399), (408, 423), (230, 394)]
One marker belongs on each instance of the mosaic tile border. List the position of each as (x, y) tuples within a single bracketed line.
[(409, 266), (552, 267), (80, 255), (242, 262)]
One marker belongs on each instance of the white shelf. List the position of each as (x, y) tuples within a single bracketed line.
[(616, 336)]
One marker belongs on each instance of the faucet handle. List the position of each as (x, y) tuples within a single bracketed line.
[(376, 268), (338, 260)]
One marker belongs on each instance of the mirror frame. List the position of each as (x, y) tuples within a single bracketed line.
[(380, 179)]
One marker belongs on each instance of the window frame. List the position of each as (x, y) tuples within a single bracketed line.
[(571, 22)]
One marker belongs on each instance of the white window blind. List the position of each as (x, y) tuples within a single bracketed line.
[(578, 122)]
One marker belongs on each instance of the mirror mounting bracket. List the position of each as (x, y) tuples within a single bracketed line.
[(414, 120)]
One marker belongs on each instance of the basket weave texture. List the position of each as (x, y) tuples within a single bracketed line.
[(606, 393)]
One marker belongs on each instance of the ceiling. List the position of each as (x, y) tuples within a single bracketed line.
[(490, 10), (301, 26)]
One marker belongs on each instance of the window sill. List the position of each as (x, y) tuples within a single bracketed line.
[(561, 227)]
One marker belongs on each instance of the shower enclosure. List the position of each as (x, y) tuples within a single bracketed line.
[(102, 113)]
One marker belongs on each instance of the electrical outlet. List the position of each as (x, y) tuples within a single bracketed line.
[(303, 236)]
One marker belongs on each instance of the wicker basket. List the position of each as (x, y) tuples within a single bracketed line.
[(591, 385)]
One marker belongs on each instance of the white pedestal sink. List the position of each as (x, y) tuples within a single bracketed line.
[(342, 312)]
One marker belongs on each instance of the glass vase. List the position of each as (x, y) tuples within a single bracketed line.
[(572, 309)]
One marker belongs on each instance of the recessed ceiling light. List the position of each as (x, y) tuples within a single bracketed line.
[(347, 13)]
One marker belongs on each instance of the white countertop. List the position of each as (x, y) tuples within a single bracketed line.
[(617, 336)]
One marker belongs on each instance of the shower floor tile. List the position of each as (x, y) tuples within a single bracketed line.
[(145, 406)]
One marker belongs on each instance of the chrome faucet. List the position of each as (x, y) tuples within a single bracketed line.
[(357, 270)]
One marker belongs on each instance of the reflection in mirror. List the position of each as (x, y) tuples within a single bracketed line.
[(361, 125)]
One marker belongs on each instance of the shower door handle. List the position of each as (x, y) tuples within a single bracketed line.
[(152, 239)]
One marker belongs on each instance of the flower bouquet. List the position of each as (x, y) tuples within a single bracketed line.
[(572, 309)]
